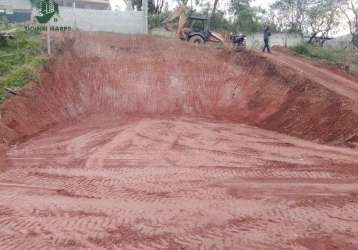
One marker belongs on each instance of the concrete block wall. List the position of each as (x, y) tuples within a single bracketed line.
[(342, 42), (128, 22), (256, 40)]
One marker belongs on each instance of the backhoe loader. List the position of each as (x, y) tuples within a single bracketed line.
[(194, 29)]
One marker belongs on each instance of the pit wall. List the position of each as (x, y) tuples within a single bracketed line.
[(113, 75), (309, 111)]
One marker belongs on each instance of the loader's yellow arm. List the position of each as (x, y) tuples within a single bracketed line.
[(218, 38), (182, 29), (181, 13)]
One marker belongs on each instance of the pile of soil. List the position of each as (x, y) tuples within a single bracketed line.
[(116, 74)]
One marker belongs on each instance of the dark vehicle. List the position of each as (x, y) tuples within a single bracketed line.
[(196, 29), (199, 30), (238, 41)]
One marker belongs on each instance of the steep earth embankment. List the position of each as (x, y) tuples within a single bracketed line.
[(151, 76)]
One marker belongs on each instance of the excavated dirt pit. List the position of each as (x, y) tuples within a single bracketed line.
[(136, 142)]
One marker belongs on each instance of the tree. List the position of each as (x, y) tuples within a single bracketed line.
[(182, 2), (275, 22), (214, 8), (350, 11), (314, 18), (290, 14), (155, 6), (220, 23), (129, 4), (212, 15), (322, 18), (246, 18), (136, 4)]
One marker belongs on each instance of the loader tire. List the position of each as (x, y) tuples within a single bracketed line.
[(196, 40)]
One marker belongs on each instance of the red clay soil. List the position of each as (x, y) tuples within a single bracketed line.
[(143, 75), (136, 142), (322, 74), (3, 158), (316, 64)]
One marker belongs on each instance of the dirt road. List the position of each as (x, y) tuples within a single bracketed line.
[(129, 144), (345, 86)]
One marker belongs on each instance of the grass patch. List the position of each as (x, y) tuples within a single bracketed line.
[(21, 59), (155, 21), (329, 56)]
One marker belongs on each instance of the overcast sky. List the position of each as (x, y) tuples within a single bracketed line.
[(172, 3), (223, 4), (263, 3)]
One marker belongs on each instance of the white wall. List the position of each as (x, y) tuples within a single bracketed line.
[(341, 42), (256, 40), (128, 22)]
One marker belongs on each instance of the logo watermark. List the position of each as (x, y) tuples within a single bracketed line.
[(41, 28), (47, 11)]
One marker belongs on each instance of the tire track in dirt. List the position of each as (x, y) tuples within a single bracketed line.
[(121, 139), (178, 170), (128, 196)]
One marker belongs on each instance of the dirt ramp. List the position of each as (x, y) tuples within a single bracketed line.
[(114, 75), (308, 111)]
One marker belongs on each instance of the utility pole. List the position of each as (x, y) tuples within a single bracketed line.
[(48, 39), (145, 12)]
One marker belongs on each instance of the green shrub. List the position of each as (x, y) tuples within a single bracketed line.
[(19, 75), (21, 60), (301, 49), (155, 21), (331, 56), (39, 61), (4, 68)]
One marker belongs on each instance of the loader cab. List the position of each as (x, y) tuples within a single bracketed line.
[(199, 29)]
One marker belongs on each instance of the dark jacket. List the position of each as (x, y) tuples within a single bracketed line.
[(267, 34)]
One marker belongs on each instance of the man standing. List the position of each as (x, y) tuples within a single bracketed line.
[(267, 35)]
